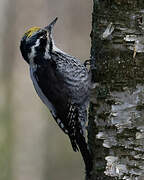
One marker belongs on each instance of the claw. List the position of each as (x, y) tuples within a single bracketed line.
[(87, 62)]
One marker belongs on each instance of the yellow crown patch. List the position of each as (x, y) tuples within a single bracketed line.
[(31, 31)]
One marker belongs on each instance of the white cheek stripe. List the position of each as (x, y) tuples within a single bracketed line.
[(40, 93), (31, 55)]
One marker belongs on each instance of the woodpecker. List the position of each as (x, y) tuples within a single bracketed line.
[(62, 82)]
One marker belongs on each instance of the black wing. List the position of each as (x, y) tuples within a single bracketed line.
[(52, 86), (67, 115)]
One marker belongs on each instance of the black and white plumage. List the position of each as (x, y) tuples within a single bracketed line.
[(62, 82)]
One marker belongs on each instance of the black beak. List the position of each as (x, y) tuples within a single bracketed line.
[(51, 25)]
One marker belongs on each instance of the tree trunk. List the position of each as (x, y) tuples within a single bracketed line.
[(116, 116)]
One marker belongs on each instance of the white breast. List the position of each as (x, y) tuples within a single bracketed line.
[(40, 93)]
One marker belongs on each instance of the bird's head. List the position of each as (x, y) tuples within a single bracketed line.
[(37, 43)]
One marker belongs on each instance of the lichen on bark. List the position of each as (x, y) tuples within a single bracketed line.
[(116, 116)]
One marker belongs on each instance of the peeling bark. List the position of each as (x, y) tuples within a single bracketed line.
[(116, 117)]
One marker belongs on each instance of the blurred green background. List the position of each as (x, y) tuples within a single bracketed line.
[(32, 147)]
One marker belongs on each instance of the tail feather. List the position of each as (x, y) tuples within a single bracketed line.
[(73, 143), (79, 143), (77, 118), (80, 140)]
